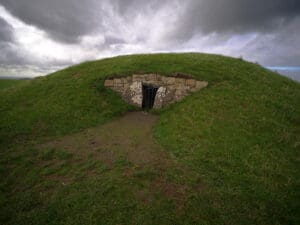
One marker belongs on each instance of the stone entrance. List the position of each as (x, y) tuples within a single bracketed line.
[(149, 93), (137, 89)]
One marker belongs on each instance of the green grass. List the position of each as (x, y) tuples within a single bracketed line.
[(5, 83), (234, 148)]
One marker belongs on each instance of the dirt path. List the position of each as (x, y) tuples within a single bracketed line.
[(130, 136)]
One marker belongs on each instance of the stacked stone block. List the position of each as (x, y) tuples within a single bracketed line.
[(170, 89)]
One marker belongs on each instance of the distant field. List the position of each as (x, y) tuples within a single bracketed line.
[(291, 72), (5, 83)]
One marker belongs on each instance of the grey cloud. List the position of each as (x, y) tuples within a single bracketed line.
[(6, 31), (15, 62), (63, 20), (277, 48), (129, 7), (68, 20), (11, 55), (235, 16), (9, 52), (109, 40)]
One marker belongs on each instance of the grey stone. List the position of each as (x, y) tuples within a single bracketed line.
[(170, 89)]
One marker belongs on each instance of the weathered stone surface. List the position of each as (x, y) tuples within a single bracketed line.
[(109, 83), (136, 77), (118, 89), (180, 86), (129, 79), (170, 80), (191, 82), (170, 89), (201, 84), (158, 77), (136, 90), (159, 98), (164, 79), (150, 77), (118, 82), (126, 86), (180, 81), (170, 97)]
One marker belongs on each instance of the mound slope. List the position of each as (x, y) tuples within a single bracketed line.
[(233, 147)]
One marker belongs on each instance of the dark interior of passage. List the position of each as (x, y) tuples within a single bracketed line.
[(149, 92)]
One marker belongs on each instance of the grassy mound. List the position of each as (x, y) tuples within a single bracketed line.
[(233, 148)]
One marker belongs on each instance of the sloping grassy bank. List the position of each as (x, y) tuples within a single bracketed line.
[(233, 148)]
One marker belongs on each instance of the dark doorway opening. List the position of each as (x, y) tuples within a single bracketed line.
[(149, 93)]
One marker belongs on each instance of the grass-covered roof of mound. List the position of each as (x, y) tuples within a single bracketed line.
[(240, 135), (75, 98)]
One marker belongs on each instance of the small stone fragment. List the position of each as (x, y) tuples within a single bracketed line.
[(109, 83), (201, 84), (118, 82), (191, 82)]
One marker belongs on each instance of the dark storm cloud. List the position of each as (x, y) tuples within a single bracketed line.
[(63, 20), (277, 48), (6, 31), (68, 20), (129, 7), (235, 16), (9, 53), (110, 40)]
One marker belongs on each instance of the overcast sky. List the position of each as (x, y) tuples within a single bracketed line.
[(39, 36)]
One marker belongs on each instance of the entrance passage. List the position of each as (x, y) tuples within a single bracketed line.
[(149, 93)]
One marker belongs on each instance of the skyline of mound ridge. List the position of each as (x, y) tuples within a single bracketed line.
[(290, 72)]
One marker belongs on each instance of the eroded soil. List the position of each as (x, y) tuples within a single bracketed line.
[(131, 138)]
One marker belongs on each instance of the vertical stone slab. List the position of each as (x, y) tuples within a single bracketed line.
[(159, 98), (136, 96)]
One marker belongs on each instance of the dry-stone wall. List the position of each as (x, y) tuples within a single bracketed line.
[(170, 88)]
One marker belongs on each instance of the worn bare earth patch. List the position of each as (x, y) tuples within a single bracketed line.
[(129, 137)]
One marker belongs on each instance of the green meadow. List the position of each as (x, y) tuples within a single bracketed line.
[(5, 83)]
